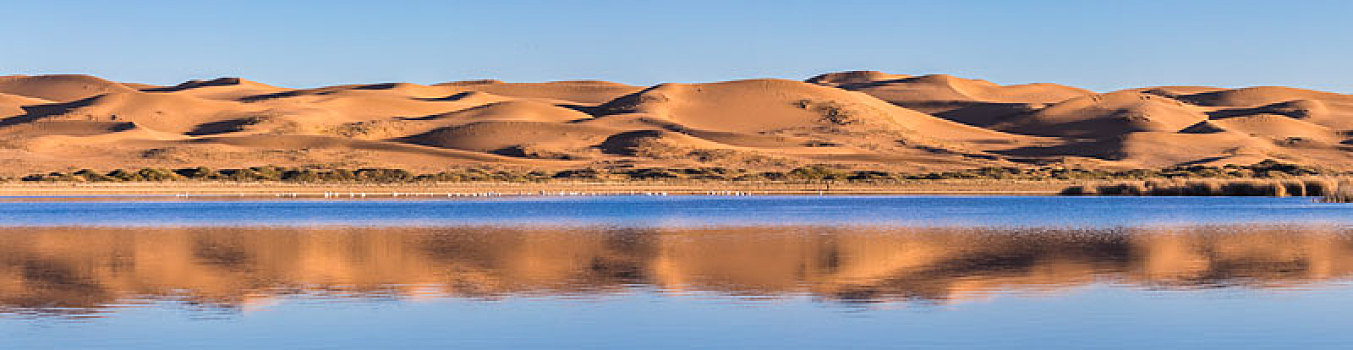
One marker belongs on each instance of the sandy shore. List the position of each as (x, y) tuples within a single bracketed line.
[(414, 190)]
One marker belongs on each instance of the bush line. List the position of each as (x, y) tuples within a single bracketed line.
[(828, 173)]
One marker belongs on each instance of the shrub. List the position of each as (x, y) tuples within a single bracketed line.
[(652, 173), (300, 175), (123, 175), (383, 175), (268, 172), (197, 173), (586, 173), (91, 175), (157, 174), (816, 172), (866, 175)]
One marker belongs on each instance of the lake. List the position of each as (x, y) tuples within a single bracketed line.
[(627, 272)]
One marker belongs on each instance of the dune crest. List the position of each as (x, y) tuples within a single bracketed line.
[(59, 88)]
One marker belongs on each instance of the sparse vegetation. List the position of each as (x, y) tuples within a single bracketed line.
[(1263, 170), (832, 112), (1268, 178)]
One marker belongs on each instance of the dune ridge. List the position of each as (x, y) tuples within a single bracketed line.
[(852, 120)]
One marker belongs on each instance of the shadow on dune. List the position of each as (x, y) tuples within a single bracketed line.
[(38, 112), (193, 84), (1110, 149), (221, 127)]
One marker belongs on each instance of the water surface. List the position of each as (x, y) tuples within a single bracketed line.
[(646, 211), (654, 272)]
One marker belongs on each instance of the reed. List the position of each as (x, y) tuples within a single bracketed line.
[(1078, 190), (1123, 189), (1312, 187), (1294, 188), (1320, 186), (1202, 188), (1343, 193), (1253, 188)]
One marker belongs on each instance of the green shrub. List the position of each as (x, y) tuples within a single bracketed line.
[(816, 172), (157, 174), (197, 173), (652, 174), (123, 175)]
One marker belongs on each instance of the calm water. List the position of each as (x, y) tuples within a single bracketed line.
[(643, 211), (678, 272)]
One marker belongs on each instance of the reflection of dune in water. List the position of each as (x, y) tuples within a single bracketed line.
[(79, 270)]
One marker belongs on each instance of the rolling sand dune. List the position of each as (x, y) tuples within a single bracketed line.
[(59, 88), (171, 113), (515, 136), (1262, 95), (1106, 115), (218, 89), (515, 110), (579, 91), (859, 119), (932, 90)]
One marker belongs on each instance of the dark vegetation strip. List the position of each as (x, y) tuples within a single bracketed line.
[(1262, 170), (1267, 178)]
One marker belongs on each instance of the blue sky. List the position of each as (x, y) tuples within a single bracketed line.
[(1100, 45)]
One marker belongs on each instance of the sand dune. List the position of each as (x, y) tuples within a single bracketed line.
[(1262, 95), (172, 113), (858, 119), (938, 88), (579, 91), (218, 89), (754, 106), (515, 110), (1104, 115), (59, 88), (509, 137)]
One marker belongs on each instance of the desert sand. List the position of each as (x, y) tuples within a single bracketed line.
[(859, 120)]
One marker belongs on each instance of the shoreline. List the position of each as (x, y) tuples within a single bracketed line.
[(487, 189)]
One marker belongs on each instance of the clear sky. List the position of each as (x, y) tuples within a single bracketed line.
[(1100, 45)]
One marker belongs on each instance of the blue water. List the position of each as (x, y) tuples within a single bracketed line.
[(622, 272), (1097, 318), (686, 211)]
